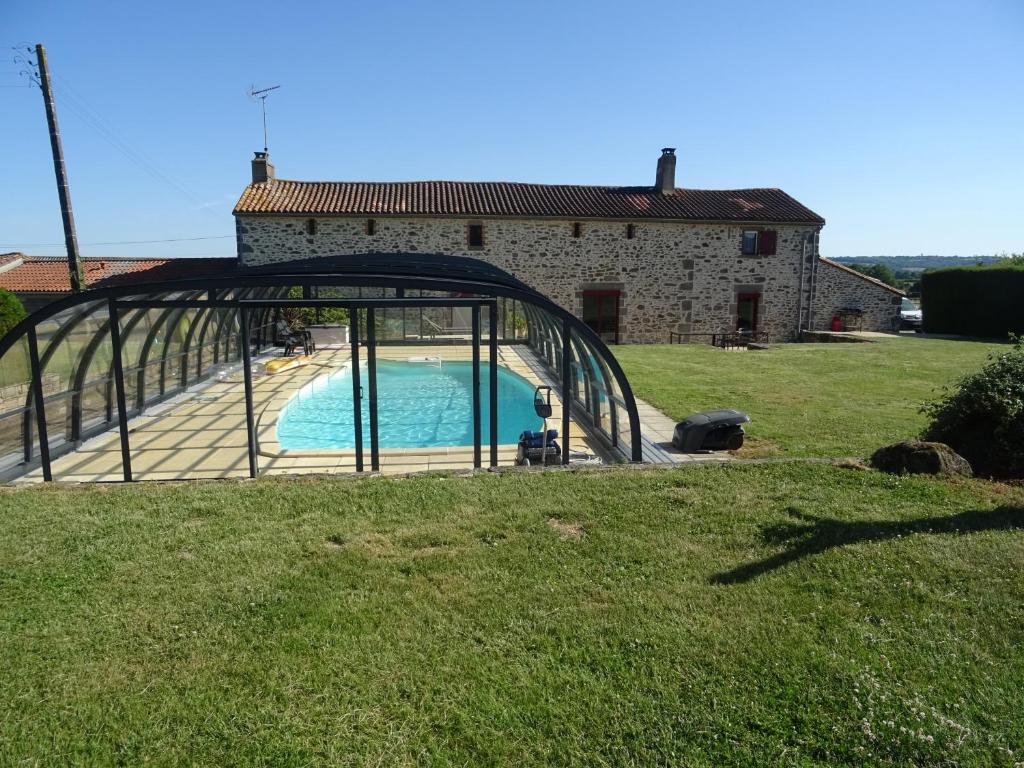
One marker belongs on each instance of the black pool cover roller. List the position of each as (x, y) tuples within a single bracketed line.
[(710, 431)]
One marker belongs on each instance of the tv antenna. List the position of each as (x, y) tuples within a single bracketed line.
[(262, 96)]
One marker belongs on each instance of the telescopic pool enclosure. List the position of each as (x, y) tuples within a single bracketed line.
[(92, 361)]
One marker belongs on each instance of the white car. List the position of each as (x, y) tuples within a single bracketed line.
[(910, 315)]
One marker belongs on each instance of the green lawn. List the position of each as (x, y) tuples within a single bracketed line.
[(748, 614), (807, 399)]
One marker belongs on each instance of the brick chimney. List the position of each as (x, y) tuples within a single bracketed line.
[(263, 169), (665, 181)]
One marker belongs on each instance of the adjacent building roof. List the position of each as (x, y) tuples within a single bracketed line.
[(861, 275), (49, 274), (502, 198)]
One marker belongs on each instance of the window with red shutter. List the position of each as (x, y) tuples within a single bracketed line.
[(766, 242)]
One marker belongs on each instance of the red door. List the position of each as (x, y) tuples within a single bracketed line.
[(747, 305), (601, 313)]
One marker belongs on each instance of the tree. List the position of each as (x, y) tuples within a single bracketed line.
[(11, 311), (877, 271), (304, 316)]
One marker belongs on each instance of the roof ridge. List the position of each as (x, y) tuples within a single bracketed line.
[(270, 183), (519, 199)]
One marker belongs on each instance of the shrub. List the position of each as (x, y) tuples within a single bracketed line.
[(305, 316), (11, 311), (982, 418), (976, 301)]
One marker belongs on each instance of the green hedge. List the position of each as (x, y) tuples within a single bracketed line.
[(974, 301)]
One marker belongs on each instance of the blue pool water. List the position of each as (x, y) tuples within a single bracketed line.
[(419, 405)]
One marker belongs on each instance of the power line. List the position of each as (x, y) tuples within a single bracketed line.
[(123, 242), (81, 108), (94, 120)]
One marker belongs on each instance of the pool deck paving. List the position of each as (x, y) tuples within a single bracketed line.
[(201, 433)]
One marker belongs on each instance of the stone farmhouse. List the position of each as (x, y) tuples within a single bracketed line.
[(635, 263)]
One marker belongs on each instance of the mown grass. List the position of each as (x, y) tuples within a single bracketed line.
[(743, 615), (807, 399)]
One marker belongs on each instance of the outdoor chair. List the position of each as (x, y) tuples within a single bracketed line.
[(290, 340)]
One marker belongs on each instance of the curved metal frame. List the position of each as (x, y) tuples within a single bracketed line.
[(83, 363), (426, 272)]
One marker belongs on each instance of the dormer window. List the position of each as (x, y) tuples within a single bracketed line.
[(475, 235)]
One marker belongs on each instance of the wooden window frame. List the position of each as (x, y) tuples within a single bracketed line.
[(756, 297), (766, 242), (469, 236), (743, 242)]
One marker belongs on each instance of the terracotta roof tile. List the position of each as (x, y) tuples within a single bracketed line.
[(485, 198), (49, 274)]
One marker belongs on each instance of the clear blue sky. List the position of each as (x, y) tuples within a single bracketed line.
[(902, 123)]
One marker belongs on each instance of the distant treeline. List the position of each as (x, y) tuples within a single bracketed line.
[(904, 272), (918, 263)]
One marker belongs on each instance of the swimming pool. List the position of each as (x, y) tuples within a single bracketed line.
[(419, 405)]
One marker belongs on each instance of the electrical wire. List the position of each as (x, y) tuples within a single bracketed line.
[(77, 108), (121, 242), (80, 107)]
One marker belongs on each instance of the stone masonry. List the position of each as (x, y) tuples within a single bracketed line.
[(839, 289), (674, 276), (674, 256)]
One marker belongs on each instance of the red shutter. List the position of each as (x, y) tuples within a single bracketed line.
[(766, 242)]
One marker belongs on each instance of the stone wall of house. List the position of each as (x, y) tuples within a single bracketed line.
[(674, 276), (15, 396), (839, 288)]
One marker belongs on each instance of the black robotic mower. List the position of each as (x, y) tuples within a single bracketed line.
[(710, 431)]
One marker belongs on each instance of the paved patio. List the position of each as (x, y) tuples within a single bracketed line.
[(202, 434)]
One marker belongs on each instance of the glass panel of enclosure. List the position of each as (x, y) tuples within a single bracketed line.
[(601, 394), (15, 377), (165, 349)]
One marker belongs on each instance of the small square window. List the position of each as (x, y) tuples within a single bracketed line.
[(475, 235), (749, 243), (371, 227), (310, 227)]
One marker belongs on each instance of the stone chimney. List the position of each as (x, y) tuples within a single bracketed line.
[(665, 181), (263, 169)]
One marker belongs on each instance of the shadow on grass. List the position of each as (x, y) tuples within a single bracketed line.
[(814, 535)]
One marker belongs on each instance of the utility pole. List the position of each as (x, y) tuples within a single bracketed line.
[(75, 271)]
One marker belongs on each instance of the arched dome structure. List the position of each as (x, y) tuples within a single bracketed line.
[(92, 361)]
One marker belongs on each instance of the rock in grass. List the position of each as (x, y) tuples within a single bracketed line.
[(914, 457)]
